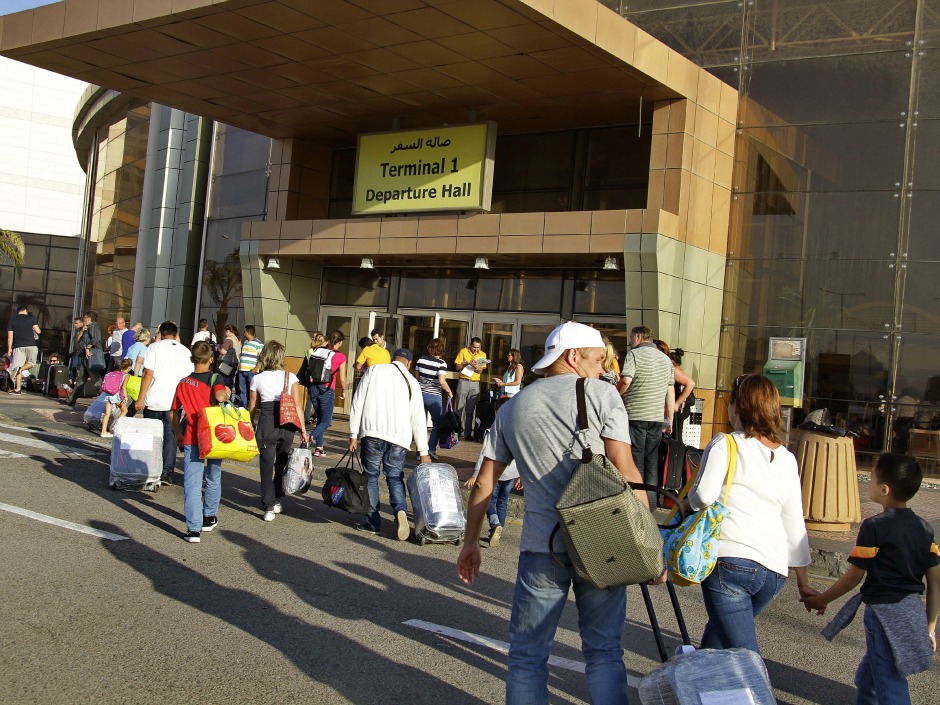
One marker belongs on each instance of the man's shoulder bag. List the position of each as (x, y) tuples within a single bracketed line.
[(610, 536)]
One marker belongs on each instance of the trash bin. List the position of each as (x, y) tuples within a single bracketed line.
[(829, 480)]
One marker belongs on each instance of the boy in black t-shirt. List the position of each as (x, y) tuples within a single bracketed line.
[(894, 552)]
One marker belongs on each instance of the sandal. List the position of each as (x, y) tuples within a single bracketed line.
[(318, 452)]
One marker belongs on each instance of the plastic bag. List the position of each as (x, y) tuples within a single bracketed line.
[(299, 471)]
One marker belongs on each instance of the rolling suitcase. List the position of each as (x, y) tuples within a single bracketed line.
[(136, 455), (677, 464), (56, 376), (437, 503), (654, 621)]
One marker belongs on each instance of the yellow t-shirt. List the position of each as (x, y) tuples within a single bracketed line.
[(616, 367), (373, 355), (464, 358)]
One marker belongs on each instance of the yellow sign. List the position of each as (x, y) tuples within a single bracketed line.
[(437, 169)]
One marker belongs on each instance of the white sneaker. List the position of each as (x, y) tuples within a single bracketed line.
[(105, 434), (495, 535), (404, 531), (277, 508), (269, 516)]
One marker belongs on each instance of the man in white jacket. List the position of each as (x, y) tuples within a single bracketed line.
[(387, 414)]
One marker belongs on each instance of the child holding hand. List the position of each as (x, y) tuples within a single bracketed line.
[(114, 380), (893, 554)]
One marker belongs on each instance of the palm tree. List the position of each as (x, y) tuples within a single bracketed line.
[(13, 248), (223, 282)]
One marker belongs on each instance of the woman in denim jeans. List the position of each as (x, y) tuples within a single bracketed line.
[(762, 534), (322, 397)]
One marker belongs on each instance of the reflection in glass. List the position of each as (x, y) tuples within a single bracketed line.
[(707, 33), (921, 307), (354, 287), (871, 87), (600, 292), (431, 288), (536, 292), (924, 238)]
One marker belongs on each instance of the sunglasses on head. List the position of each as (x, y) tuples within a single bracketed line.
[(736, 385)]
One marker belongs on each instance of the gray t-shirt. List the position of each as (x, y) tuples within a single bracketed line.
[(538, 429)]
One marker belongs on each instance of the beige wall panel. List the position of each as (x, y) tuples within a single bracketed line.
[(477, 225)]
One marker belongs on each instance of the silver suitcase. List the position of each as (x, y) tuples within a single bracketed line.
[(437, 503), (136, 454)]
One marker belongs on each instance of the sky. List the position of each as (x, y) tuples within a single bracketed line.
[(9, 6)]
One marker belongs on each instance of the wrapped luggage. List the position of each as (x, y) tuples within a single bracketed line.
[(136, 454), (709, 677), (95, 412), (437, 503)]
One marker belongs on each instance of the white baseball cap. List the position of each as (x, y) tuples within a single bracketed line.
[(564, 337)]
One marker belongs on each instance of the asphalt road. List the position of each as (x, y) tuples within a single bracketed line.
[(301, 610)]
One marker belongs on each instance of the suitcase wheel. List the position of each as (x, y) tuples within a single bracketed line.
[(421, 541), (114, 486)]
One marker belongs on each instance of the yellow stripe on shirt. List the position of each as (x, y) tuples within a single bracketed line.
[(863, 552)]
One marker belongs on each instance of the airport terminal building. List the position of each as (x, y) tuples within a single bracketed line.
[(723, 172)]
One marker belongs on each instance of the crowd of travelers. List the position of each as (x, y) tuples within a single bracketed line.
[(535, 444)]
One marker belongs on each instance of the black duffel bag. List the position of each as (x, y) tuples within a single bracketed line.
[(346, 486)]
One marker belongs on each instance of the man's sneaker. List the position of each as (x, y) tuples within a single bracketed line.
[(433, 456), (191, 537), (277, 508), (166, 478), (366, 529), (268, 516), (495, 534), (404, 531), (209, 523)]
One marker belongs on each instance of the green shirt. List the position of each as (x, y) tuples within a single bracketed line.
[(652, 375)]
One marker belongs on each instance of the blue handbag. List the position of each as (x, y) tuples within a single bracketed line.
[(691, 549)]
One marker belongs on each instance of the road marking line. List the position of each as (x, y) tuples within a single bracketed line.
[(62, 523), (33, 442), (500, 646), (9, 454)]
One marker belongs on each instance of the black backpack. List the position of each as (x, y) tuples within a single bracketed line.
[(320, 367)]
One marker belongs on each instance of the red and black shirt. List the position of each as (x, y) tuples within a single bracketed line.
[(193, 394)]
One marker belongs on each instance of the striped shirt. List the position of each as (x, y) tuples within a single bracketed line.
[(651, 375), (250, 351), (429, 369)]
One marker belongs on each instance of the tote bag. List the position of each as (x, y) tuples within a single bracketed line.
[(299, 471), (691, 549), (288, 420), (224, 432)]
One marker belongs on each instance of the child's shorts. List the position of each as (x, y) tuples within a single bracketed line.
[(114, 399)]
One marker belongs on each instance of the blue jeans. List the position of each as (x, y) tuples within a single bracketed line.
[(322, 399), (432, 404), (194, 506), (377, 455), (541, 592), (877, 678), (169, 440), (736, 592), (498, 505), (243, 386)]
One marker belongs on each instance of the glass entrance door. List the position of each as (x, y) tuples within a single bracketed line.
[(502, 332)]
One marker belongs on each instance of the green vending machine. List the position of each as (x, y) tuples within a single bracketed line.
[(784, 367)]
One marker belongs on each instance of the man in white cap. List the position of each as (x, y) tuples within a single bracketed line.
[(538, 429)]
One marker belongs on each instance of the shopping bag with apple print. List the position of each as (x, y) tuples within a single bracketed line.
[(225, 433)]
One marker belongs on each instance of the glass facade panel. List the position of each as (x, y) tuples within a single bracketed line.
[(708, 33), (921, 307), (926, 140), (600, 293), (115, 221), (354, 287), (870, 87), (538, 293), (924, 241), (534, 162), (928, 85), (437, 290), (238, 194), (843, 225)]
